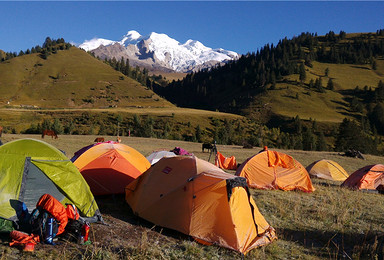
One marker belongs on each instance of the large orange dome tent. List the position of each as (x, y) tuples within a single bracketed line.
[(327, 169), (370, 177), (109, 166), (195, 197), (275, 170)]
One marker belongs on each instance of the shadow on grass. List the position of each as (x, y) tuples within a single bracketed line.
[(360, 67), (117, 207), (337, 245), (325, 183)]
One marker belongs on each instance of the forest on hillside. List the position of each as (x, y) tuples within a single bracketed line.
[(233, 87), (230, 87)]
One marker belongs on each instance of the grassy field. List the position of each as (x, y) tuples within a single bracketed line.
[(292, 98), (70, 79), (330, 223), (21, 119)]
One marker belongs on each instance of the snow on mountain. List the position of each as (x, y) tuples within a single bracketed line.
[(132, 37), (159, 50), (95, 43)]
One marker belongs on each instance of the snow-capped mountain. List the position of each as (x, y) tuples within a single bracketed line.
[(159, 52)]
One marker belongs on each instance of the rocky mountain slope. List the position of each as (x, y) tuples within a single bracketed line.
[(159, 52)]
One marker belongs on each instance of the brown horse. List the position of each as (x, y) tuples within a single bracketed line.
[(99, 139), (49, 133)]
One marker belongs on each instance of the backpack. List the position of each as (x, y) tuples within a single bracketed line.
[(48, 219), (75, 224), (44, 225), (73, 230), (56, 209)]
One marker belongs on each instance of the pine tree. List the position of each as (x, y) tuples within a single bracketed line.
[(297, 125), (377, 117), (302, 73), (309, 140), (350, 136), (127, 70), (319, 85), (330, 85), (70, 127), (137, 128), (321, 144), (57, 126), (326, 72), (46, 125), (374, 64)]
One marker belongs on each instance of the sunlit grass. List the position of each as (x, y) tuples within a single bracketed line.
[(330, 223)]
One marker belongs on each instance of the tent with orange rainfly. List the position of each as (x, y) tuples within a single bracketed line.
[(196, 198), (275, 170), (327, 169), (227, 163), (110, 166), (370, 177)]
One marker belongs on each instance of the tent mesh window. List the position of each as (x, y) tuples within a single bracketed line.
[(36, 184)]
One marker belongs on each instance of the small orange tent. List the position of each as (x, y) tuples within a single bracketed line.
[(228, 163), (327, 169), (108, 167), (275, 170), (196, 198), (370, 177)]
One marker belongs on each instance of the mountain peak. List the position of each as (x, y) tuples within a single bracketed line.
[(89, 45), (133, 34), (132, 37), (160, 50)]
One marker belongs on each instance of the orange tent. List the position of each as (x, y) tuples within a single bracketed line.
[(327, 169), (108, 167), (228, 163), (275, 170), (196, 198), (370, 177)]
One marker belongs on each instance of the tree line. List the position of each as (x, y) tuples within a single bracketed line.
[(135, 72), (50, 46)]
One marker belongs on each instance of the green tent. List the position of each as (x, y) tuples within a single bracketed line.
[(30, 168)]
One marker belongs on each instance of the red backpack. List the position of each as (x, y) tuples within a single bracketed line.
[(48, 219)]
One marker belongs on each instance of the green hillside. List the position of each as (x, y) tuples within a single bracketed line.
[(69, 79), (292, 98), (272, 78)]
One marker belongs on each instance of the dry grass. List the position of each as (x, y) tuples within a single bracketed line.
[(71, 79), (330, 106), (21, 119), (330, 223)]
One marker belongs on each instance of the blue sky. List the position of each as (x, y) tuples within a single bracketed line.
[(241, 26)]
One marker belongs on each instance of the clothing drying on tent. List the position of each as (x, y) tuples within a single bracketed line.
[(157, 155), (275, 170), (327, 169), (30, 168), (181, 151), (370, 177), (195, 197), (227, 163), (108, 167)]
